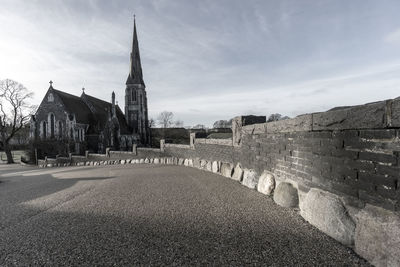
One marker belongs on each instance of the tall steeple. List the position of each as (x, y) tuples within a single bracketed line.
[(135, 96), (135, 74)]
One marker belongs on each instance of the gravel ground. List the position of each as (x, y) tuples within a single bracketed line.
[(151, 215)]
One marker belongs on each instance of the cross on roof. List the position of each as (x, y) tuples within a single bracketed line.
[(51, 83), (83, 89)]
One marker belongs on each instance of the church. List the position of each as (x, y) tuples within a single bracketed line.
[(88, 123)]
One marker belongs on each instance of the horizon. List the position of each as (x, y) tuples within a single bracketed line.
[(212, 60)]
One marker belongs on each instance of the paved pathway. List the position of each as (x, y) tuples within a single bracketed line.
[(150, 215)]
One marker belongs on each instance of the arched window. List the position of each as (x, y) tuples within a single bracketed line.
[(133, 97), (52, 125), (60, 133), (44, 129)]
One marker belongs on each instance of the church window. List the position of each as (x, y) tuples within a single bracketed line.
[(133, 95), (52, 125), (60, 129), (50, 98), (44, 129)]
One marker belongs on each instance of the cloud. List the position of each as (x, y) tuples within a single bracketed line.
[(207, 60), (393, 37)]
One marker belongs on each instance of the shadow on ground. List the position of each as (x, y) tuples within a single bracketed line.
[(156, 216)]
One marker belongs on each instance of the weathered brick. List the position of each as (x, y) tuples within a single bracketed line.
[(377, 200), (322, 134), (360, 165), (345, 189), (342, 153), (388, 192), (378, 134), (299, 123), (378, 157), (358, 144), (343, 172), (345, 134), (377, 179), (393, 171), (368, 116)]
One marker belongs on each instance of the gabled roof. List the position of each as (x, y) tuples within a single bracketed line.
[(75, 105), (102, 110)]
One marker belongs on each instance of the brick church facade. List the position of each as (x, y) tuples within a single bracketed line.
[(86, 122)]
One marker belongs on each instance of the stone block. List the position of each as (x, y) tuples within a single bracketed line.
[(186, 162), (257, 128), (238, 173), (141, 161), (215, 167), (203, 164), (239, 122), (266, 183), (156, 161), (394, 108), (250, 178), (227, 169), (327, 212), (196, 163), (123, 162), (190, 163), (286, 195), (146, 160), (209, 166), (300, 123), (377, 236), (368, 116), (181, 161)]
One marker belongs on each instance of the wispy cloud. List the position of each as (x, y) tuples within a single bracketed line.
[(393, 37), (208, 60)]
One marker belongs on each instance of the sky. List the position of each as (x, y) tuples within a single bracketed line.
[(212, 59)]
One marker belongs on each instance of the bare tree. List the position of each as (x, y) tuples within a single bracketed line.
[(14, 112), (165, 119), (277, 117), (274, 117), (178, 123), (152, 123), (223, 124)]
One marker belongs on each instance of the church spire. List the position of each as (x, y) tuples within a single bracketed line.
[(135, 74)]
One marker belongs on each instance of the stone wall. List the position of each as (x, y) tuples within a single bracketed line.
[(110, 156), (336, 166), (351, 151)]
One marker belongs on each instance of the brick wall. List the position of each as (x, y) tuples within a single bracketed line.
[(351, 151)]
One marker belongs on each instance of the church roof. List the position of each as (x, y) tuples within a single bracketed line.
[(92, 111), (102, 110), (74, 104)]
